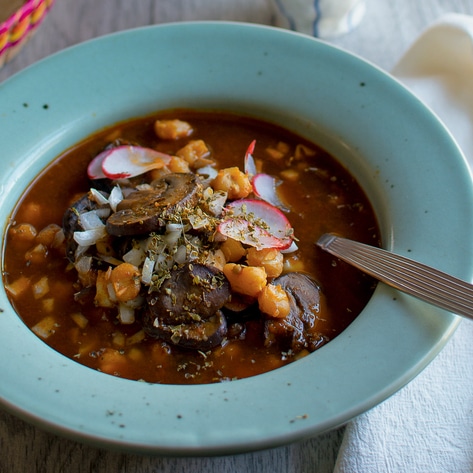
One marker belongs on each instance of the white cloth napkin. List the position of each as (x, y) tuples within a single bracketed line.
[(428, 426)]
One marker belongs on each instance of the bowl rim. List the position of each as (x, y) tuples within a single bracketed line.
[(101, 414)]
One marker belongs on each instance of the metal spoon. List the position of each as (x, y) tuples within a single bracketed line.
[(411, 277)]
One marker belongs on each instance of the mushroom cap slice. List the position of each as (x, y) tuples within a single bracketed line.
[(298, 329), (191, 293), (186, 309), (202, 335), (143, 211)]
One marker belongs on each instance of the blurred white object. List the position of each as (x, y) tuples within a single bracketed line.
[(438, 68), (428, 425), (320, 18)]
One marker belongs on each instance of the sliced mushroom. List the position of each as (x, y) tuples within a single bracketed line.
[(186, 309), (296, 331), (202, 335), (143, 210)]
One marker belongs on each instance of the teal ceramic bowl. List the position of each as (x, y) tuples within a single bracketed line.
[(408, 164)]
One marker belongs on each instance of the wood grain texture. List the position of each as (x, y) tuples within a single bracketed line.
[(385, 33)]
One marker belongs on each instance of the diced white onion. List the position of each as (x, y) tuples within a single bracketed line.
[(126, 314), (41, 288), (171, 239), (144, 187), (98, 197), (208, 174), (217, 202), (126, 191), (83, 264), (116, 196), (198, 221), (164, 262), (90, 220), (207, 193), (103, 212), (216, 258), (80, 251), (89, 237), (181, 254), (135, 256), (147, 271), (135, 303), (161, 260), (111, 292), (45, 327), (174, 227)]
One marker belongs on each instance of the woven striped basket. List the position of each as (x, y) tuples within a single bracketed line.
[(18, 28)]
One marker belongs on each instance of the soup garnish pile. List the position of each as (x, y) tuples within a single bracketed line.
[(179, 248)]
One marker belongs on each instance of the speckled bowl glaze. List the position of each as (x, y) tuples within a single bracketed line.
[(407, 162)]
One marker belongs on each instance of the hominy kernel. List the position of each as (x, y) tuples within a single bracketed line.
[(233, 250), (234, 182), (80, 319), (41, 288), (136, 338), (23, 232), (178, 165), (172, 129), (195, 153), (247, 280), (290, 174), (45, 328), (270, 259), (18, 287), (125, 280), (48, 305), (32, 213), (47, 235), (37, 255), (274, 302)]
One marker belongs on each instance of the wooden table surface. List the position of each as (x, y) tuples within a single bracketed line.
[(384, 34)]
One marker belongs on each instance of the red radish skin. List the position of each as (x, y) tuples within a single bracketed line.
[(249, 164), (265, 187), (94, 170), (257, 223), (130, 161)]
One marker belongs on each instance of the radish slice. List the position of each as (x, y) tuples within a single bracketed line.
[(250, 234), (264, 187), (129, 161), (250, 166), (94, 170), (257, 223)]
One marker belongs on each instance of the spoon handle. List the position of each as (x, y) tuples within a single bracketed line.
[(411, 277)]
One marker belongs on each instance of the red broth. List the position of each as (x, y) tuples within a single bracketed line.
[(320, 196)]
